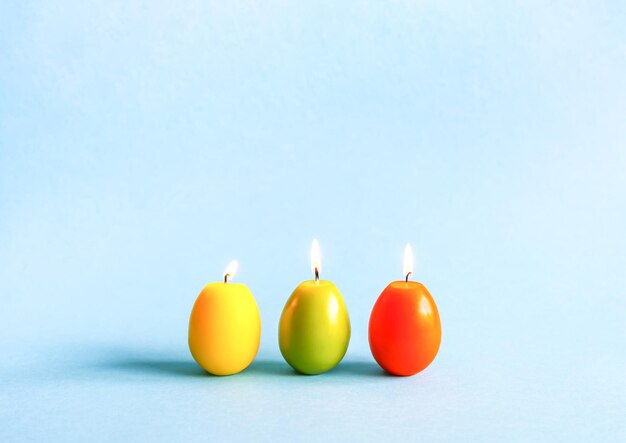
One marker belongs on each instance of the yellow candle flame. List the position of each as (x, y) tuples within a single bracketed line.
[(230, 270), (316, 259), (408, 261)]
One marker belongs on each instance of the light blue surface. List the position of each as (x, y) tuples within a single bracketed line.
[(144, 145)]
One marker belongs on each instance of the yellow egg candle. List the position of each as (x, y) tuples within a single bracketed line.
[(225, 326)]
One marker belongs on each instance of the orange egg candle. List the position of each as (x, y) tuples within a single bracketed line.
[(404, 328)]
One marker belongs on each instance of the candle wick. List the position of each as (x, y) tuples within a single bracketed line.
[(317, 275), (406, 280), (226, 278)]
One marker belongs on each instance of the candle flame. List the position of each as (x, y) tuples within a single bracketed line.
[(230, 270), (316, 258), (408, 261)]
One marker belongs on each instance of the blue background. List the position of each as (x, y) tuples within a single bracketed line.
[(143, 145)]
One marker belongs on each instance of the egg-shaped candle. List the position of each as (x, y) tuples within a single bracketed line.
[(314, 328), (225, 326), (404, 328)]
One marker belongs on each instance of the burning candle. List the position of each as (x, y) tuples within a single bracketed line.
[(225, 326), (404, 328), (314, 329)]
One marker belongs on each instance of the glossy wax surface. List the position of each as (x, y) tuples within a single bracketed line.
[(224, 328), (404, 329), (314, 329)]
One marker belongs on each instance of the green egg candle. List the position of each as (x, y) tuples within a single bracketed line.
[(314, 328)]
